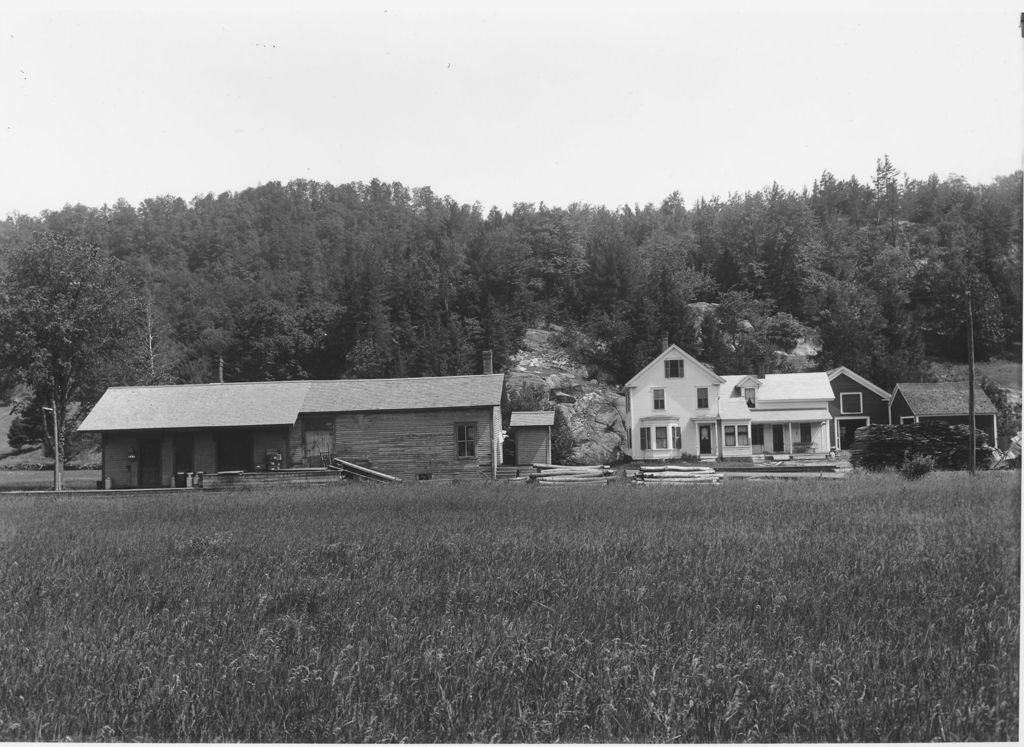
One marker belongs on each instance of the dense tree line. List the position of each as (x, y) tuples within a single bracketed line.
[(309, 279)]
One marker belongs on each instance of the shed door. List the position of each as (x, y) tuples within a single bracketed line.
[(183, 453), (848, 431), (318, 444), (532, 446), (149, 463), (234, 451)]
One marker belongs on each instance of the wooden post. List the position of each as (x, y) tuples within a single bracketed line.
[(57, 481), (971, 437), (56, 444)]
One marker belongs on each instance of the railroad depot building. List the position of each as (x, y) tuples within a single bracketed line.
[(446, 427)]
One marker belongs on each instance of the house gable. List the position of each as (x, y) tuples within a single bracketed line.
[(655, 369), (844, 372)]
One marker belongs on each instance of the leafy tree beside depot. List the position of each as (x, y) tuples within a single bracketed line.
[(69, 317)]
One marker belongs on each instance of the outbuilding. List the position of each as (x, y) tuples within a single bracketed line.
[(858, 402), (445, 427), (947, 401), (531, 432)]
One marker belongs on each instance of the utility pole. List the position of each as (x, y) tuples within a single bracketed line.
[(971, 437), (56, 447)]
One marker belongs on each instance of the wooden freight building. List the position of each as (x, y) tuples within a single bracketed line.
[(445, 427)]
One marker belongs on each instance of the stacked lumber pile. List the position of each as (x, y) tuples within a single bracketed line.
[(358, 472), (673, 474), (554, 475), (878, 447)]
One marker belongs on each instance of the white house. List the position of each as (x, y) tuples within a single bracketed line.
[(677, 405)]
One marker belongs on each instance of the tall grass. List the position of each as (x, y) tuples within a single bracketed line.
[(868, 609)]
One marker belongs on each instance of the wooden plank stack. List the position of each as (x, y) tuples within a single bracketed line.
[(672, 474), (351, 470), (557, 475), (877, 447)]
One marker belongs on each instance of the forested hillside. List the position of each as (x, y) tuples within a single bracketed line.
[(310, 279)]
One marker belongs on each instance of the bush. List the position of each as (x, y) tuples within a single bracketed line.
[(917, 466)]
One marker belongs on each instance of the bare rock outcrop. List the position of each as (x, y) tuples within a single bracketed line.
[(543, 376)]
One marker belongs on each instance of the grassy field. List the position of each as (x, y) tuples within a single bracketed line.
[(78, 479), (870, 609)]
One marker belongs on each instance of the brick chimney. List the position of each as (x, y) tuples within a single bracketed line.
[(488, 362), (664, 342)]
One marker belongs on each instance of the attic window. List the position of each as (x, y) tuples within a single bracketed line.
[(674, 369), (750, 395)]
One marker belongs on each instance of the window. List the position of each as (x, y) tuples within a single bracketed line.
[(906, 419), (750, 395), (629, 439), (627, 402), (677, 437), (805, 433), (661, 437), (737, 435), (674, 369), (702, 398), (659, 399), (851, 403), (645, 439), (465, 440)]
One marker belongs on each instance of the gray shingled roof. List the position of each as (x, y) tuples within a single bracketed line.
[(197, 406), (540, 417), (426, 393), (944, 398), (280, 402)]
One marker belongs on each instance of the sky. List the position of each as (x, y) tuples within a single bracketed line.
[(497, 103)]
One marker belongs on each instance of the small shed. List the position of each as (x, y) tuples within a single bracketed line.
[(944, 400), (531, 432)]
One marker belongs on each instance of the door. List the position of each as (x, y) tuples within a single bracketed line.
[(778, 438), (318, 445), (183, 451), (848, 430), (704, 434), (234, 451), (149, 463)]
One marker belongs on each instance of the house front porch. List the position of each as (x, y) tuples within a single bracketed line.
[(792, 436)]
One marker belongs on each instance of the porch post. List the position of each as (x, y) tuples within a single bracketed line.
[(791, 449)]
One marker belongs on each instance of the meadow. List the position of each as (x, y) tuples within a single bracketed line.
[(868, 609)]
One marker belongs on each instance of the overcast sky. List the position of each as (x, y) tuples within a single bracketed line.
[(497, 103)]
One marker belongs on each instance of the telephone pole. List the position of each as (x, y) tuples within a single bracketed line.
[(56, 448), (971, 437)]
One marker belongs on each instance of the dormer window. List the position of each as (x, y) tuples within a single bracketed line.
[(750, 395), (674, 369)]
